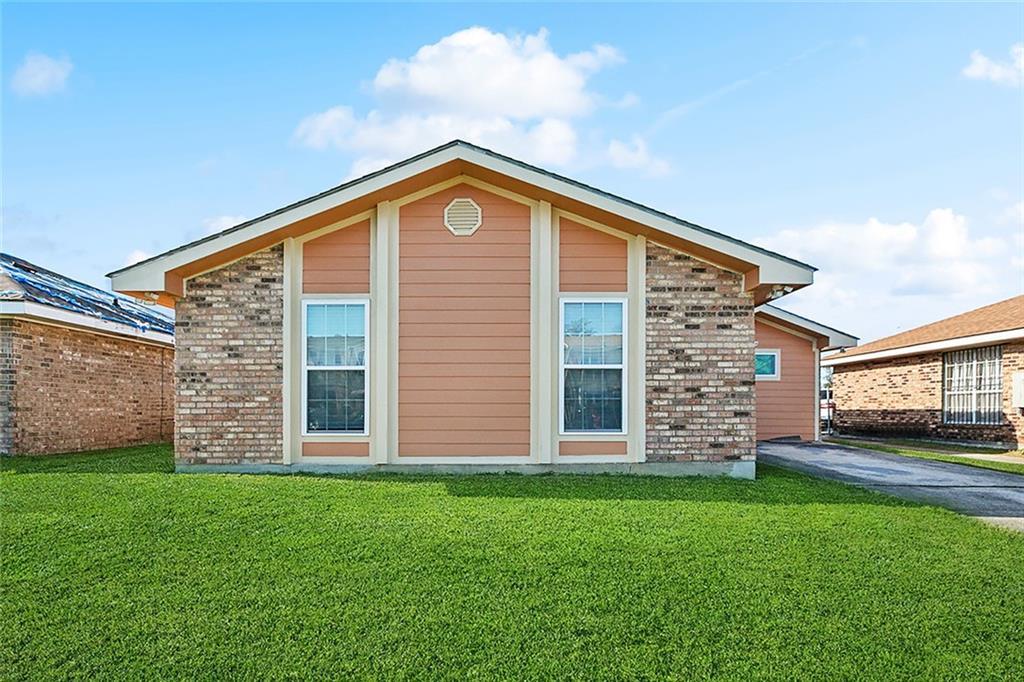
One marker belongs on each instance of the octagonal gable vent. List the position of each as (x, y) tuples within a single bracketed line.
[(462, 216)]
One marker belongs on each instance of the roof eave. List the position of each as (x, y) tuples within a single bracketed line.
[(834, 338), (941, 346), (152, 275)]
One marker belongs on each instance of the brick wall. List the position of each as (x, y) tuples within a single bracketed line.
[(229, 369), (903, 397), (64, 390), (700, 361)]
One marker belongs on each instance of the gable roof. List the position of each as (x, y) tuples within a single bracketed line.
[(26, 288), (827, 336), (989, 324), (162, 274)]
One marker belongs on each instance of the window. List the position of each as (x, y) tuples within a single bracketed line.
[(334, 366), (973, 386), (766, 364), (593, 366)]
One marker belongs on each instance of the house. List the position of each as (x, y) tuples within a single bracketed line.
[(80, 368), (788, 372), (949, 380), (464, 311)]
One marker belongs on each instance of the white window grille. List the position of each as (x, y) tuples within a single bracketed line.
[(973, 386)]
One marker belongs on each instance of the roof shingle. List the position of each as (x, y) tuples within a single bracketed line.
[(997, 317)]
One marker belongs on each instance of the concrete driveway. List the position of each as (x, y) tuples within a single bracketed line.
[(993, 496)]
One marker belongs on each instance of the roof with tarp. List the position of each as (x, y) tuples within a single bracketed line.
[(24, 281)]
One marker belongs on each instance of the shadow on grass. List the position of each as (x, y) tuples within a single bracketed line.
[(141, 459), (774, 486)]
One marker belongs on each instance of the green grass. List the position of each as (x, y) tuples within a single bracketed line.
[(925, 451), (157, 458), (142, 575)]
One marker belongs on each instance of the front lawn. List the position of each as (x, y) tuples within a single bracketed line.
[(143, 575)]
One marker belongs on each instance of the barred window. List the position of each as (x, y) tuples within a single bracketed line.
[(973, 386)]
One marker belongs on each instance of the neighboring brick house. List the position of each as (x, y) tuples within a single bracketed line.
[(464, 311), (949, 380), (80, 368)]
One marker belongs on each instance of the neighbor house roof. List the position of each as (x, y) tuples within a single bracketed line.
[(767, 273), (828, 337), (990, 324), (29, 290)]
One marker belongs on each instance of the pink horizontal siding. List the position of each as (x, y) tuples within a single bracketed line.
[(590, 260), (314, 449), (591, 447), (338, 262), (464, 330), (787, 407)]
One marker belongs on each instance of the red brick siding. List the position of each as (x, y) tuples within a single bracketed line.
[(700, 361), (65, 390), (230, 366), (903, 397)]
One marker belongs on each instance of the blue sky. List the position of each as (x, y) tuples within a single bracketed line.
[(883, 144)]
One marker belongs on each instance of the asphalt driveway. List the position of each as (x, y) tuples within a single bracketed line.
[(994, 496)]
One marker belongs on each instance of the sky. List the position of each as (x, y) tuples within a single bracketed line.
[(883, 144)]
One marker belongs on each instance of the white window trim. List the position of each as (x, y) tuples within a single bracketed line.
[(778, 364), (365, 367), (624, 366)]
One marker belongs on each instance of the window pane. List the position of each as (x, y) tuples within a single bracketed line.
[(316, 415), (355, 320), (334, 350), (315, 320), (612, 330), (764, 364), (593, 400), (315, 351), (316, 385), (593, 327)]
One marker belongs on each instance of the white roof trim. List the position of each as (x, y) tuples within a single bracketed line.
[(989, 339), (836, 338), (149, 275), (67, 318)]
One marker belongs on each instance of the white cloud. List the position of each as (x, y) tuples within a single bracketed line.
[(877, 277), (222, 222), (635, 155), (481, 73), (1009, 73), (511, 93), (40, 74), (136, 256)]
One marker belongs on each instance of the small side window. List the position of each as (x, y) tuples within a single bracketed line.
[(766, 365)]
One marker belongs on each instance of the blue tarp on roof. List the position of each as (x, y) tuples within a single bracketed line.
[(39, 285)]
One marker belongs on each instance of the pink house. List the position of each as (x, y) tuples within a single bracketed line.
[(464, 311)]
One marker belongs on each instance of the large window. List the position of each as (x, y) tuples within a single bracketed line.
[(973, 386), (334, 366), (593, 366)]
